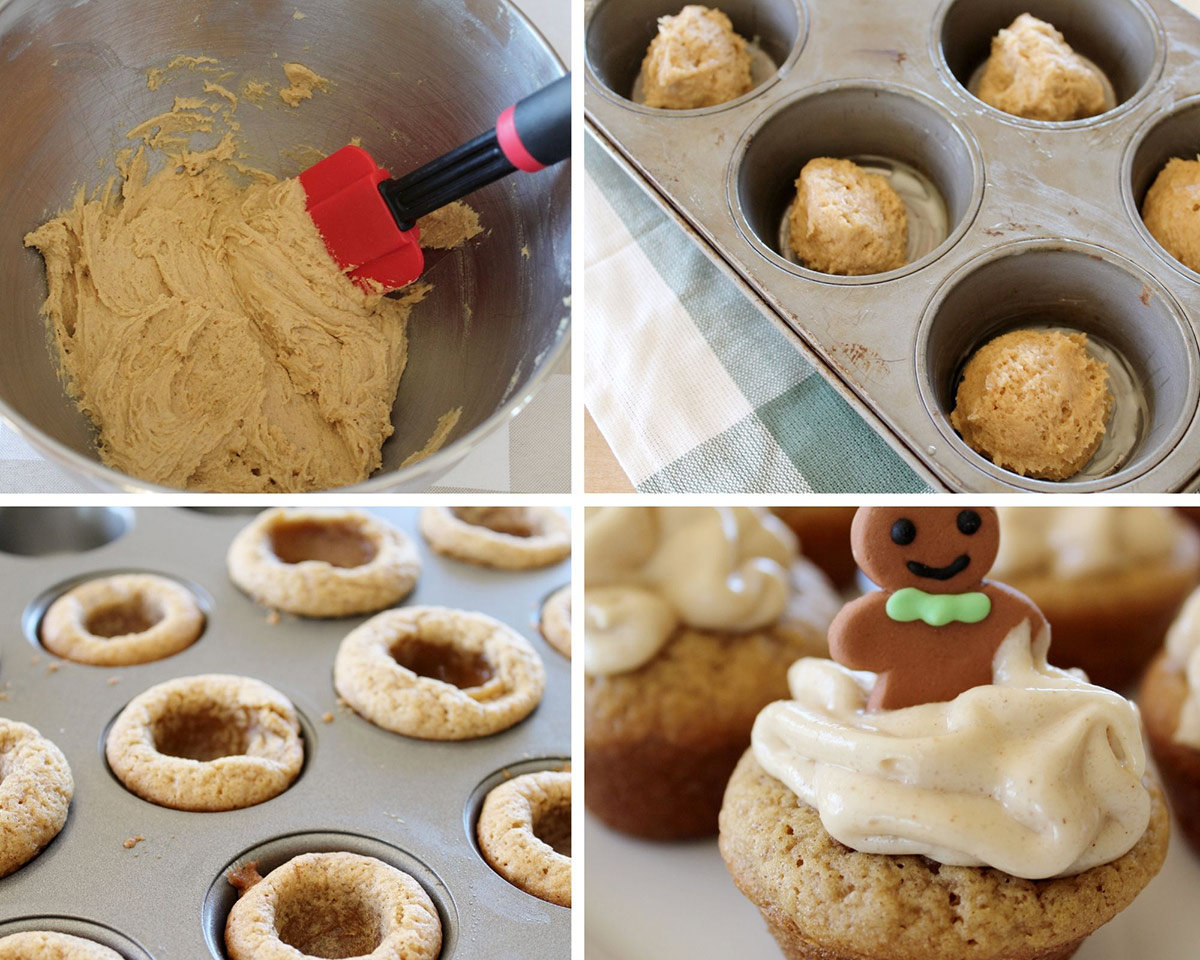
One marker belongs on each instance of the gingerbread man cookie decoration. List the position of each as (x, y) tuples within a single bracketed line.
[(934, 628)]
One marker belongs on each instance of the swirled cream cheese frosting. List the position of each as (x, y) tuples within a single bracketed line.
[(1074, 542), (1183, 648), (1038, 774), (650, 569)]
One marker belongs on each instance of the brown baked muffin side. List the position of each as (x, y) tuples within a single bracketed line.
[(1112, 626), (824, 901), (661, 741), (1161, 698), (824, 534)]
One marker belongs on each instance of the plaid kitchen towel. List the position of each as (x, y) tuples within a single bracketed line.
[(694, 390)]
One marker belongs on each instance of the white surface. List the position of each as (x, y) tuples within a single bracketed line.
[(650, 901)]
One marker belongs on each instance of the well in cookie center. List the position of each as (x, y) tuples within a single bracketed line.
[(131, 615), (329, 918), (340, 543), (552, 825), (203, 733), (464, 669), (513, 521)]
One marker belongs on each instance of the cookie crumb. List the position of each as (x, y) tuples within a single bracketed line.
[(273, 618), (52, 666), (327, 718), (244, 877), (132, 842), (113, 681), (35, 660)]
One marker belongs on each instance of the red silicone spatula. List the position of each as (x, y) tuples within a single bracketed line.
[(369, 220)]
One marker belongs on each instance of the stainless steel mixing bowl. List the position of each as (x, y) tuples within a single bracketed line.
[(413, 78)]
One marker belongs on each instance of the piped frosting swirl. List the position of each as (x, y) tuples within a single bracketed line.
[(1038, 774), (649, 570)]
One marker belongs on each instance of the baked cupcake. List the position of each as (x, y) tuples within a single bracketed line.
[(1170, 702), (824, 534), (962, 799), (1109, 580), (692, 617)]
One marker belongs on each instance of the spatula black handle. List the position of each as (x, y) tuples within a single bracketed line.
[(530, 135)]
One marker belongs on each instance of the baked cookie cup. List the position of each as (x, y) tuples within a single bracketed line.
[(824, 901), (1112, 624), (1163, 693), (507, 538), (661, 741), (524, 833), (36, 788), (323, 563), (47, 945), (122, 621)]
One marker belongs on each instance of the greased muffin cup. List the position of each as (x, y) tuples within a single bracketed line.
[(891, 84), (347, 799), (662, 737)]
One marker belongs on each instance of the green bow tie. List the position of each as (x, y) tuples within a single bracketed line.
[(937, 609)]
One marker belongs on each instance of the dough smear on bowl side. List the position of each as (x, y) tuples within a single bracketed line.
[(202, 326)]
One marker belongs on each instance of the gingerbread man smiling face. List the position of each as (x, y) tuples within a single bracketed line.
[(933, 630)]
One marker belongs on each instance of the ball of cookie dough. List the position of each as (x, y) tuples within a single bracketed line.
[(1034, 402), (1171, 210), (696, 60), (1034, 73), (847, 221)]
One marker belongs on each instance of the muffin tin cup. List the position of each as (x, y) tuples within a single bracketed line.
[(1066, 183), (621, 30), (850, 119), (1123, 38), (77, 927), (43, 531), (362, 789), (1073, 286)]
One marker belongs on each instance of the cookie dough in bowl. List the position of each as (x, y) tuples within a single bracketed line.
[(36, 787), (555, 623), (524, 833), (122, 620), (332, 905), (46, 945), (318, 563), (439, 674), (510, 538), (206, 743)]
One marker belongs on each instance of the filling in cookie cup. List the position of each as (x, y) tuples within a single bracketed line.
[(509, 538), (340, 542), (332, 905), (122, 620), (524, 833), (439, 674), (207, 743)]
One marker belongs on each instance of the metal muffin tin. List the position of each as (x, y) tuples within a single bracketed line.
[(1043, 218), (409, 802)]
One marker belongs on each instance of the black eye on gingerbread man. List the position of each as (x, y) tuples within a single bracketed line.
[(969, 522)]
